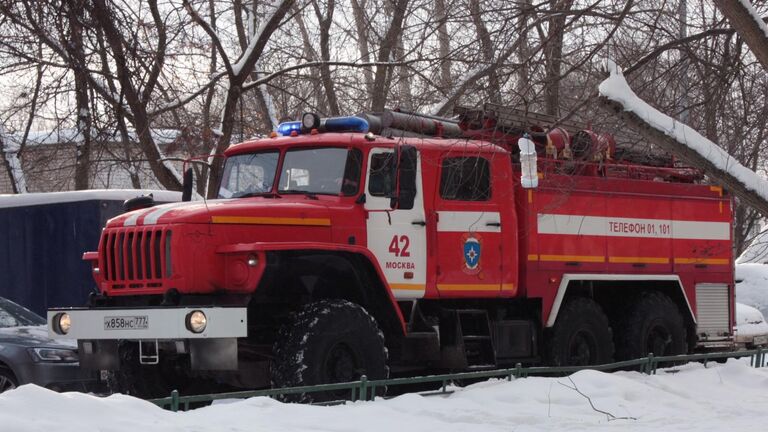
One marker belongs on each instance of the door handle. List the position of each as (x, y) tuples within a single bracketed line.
[(419, 222), (493, 224)]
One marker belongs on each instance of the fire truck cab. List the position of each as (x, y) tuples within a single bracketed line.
[(330, 255)]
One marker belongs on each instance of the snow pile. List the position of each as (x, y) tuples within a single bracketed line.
[(752, 286), (749, 322), (727, 396), (616, 89)]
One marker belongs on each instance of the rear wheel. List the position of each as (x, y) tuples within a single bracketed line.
[(7, 380), (329, 341), (653, 325), (581, 336)]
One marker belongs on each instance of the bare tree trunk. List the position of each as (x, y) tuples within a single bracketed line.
[(12, 159), (486, 46), (444, 45), (553, 52), (311, 55), (362, 27), (238, 74), (403, 77), (387, 47), (140, 120), (325, 22), (748, 28), (523, 72), (79, 69)]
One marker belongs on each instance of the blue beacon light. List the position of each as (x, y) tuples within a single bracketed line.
[(286, 128), (346, 124)]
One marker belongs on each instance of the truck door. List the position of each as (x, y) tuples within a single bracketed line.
[(469, 255), (396, 237)]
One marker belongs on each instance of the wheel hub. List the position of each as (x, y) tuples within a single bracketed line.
[(6, 384), (582, 349), (341, 364)]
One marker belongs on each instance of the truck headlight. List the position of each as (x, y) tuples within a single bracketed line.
[(196, 321), (61, 323), (60, 355)]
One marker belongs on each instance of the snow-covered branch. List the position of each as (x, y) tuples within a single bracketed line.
[(749, 24), (681, 140)]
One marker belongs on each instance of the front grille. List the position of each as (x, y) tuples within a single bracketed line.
[(137, 257)]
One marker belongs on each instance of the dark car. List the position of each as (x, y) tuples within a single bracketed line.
[(29, 356)]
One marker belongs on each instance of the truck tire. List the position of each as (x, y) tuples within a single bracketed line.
[(7, 380), (581, 335), (328, 341), (653, 324)]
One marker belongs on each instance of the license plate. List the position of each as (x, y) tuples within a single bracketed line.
[(126, 322)]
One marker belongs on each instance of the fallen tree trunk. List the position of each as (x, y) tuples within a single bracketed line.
[(735, 186)]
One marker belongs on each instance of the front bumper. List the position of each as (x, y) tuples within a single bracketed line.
[(150, 323), (99, 333)]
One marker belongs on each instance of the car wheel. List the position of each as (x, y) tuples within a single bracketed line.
[(328, 341), (7, 380)]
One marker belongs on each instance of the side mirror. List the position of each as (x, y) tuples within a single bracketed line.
[(186, 187), (405, 178)]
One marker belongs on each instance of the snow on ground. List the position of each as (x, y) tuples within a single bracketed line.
[(722, 397)]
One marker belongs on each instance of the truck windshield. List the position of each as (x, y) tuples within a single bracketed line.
[(325, 171), (249, 174)]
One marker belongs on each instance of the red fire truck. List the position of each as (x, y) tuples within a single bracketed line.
[(334, 251)]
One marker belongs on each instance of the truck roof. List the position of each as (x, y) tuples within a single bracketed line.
[(358, 139)]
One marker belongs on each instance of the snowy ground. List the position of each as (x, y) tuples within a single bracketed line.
[(727, 397)]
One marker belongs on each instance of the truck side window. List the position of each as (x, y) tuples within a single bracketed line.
[(382, 172), (465, 179)]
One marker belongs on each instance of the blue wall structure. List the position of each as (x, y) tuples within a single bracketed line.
[(41, 250)]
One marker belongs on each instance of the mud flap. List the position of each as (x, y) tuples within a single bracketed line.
[(213, 354), (98, 354)]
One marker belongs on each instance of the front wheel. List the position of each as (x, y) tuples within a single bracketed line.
[(581, 335), (7, 380), (329, 341)]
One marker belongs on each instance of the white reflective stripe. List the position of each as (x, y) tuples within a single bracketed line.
[(632, 227), (468, 221), (134, 217), (157, 212)]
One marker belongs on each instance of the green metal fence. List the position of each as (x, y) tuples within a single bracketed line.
[(365, 389)]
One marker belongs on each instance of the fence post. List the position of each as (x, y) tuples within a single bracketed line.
[(650, 369), (364, 388), (518, 370), (759, 357), (175, 401)]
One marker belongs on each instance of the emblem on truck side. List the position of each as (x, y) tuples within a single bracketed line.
[(472, 252)]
